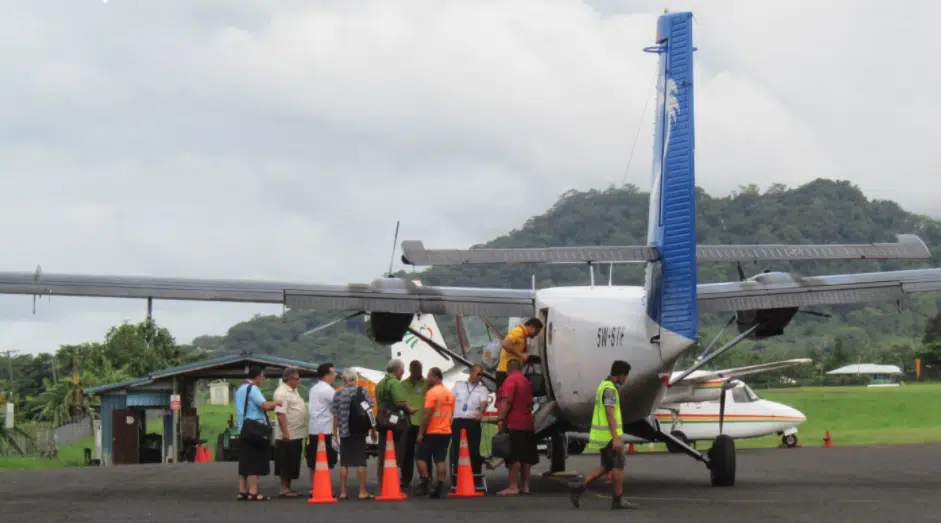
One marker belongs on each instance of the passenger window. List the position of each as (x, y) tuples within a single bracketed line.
[(739, 395)]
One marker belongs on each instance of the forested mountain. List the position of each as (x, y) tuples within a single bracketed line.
[(822, 211)]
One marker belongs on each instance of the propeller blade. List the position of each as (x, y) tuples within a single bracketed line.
[(332, 323)]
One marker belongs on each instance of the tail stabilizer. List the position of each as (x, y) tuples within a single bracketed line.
[(671, 281), (413, 348)]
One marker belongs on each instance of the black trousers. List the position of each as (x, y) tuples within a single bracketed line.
[(406, 454), (473, 443)]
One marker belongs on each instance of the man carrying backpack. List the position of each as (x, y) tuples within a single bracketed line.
[(352, 422)]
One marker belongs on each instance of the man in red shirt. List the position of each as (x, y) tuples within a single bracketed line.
[(515, 415)]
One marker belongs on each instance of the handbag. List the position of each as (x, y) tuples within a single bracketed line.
[(388, 419), (500, 445), (253, 430)]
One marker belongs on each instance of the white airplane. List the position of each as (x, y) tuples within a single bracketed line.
[(587, 327), (747, 415)]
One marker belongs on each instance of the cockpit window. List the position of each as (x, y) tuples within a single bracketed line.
[(744, 394)]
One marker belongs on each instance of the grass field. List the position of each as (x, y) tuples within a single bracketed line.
[(853, 415)]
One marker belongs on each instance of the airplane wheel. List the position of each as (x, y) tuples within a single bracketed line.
[(672, 447), (722, 461), (576, 447), (556, 447), (790, 440)]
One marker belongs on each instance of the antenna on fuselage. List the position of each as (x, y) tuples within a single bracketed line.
[(534, 281), (610, 273), (591, 271)]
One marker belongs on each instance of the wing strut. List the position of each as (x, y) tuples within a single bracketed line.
[(449, 354), (699, 364)]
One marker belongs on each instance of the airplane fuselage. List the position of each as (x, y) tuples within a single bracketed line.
[(586, 329)]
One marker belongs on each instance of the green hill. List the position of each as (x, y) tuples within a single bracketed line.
[(822, 211)]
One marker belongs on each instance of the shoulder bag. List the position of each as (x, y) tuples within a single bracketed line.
[(252, 429), (387, 418)]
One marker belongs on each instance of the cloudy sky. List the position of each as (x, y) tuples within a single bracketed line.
[(282, 140)]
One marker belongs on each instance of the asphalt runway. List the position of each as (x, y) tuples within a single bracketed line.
[(851, 484)]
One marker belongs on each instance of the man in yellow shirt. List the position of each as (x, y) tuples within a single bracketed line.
[(515, 346)]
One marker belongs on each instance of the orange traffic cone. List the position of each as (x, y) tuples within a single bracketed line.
[(465, 474), (323, 486), (630, 448), (391, 490), (200, 456), (826, 440)]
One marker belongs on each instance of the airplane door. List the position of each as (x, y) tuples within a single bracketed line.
[(543, 344)]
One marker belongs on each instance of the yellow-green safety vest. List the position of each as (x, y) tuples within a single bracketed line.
[(600, 433)]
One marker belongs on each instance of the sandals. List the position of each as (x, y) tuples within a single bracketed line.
[(289, 494), (256, 497), (367, 496), (242, 496)]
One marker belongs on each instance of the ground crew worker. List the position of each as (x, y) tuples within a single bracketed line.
[(606, 429), (515, 346), (434, 435)]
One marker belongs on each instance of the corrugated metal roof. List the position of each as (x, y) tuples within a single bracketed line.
[(264, 359), (867, 368)]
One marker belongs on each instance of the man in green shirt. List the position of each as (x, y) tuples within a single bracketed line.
[(390, 397), (414, 387)]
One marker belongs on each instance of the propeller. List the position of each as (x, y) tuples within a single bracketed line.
[(395, 242), (794, 276)]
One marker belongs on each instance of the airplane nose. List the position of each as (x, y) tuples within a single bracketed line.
[(792, 412)]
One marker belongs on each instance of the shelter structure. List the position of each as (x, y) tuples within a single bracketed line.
[(172, 393), (879, 375)]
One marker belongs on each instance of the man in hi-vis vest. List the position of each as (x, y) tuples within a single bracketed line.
[(606, 432)]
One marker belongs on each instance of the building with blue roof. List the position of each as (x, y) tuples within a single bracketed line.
[(124, 407)]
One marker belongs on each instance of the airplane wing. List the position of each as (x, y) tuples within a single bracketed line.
[(382, 295), (740, 371), (780, 290)]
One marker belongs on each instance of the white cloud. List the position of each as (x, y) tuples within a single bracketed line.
[(256, 139)]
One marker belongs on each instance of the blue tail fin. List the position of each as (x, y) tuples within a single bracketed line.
[(671, 282)]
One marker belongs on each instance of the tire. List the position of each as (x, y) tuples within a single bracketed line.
[(672, 447), (789, 440), (576, 447), (557, 459), (722, 461)]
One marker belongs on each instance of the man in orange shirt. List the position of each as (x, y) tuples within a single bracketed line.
[(434, 435)]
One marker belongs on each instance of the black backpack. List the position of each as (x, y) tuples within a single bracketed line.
[(359, 422)]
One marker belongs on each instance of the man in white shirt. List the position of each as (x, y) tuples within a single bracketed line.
[(292, 422), (470, 400), (321, 419)]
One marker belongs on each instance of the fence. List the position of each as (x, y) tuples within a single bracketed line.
[(45, 441)]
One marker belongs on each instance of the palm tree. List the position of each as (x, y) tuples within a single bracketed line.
[(63, 400), (7, 437)]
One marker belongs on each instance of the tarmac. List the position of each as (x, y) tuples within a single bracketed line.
[(811, 484)]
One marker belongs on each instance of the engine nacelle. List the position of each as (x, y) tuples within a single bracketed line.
[(771, 321), (388, 327)]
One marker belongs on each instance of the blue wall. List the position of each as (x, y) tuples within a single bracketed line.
[(141, 400)]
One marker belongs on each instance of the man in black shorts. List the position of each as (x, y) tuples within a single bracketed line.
[(434, 434), (606, 425)]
